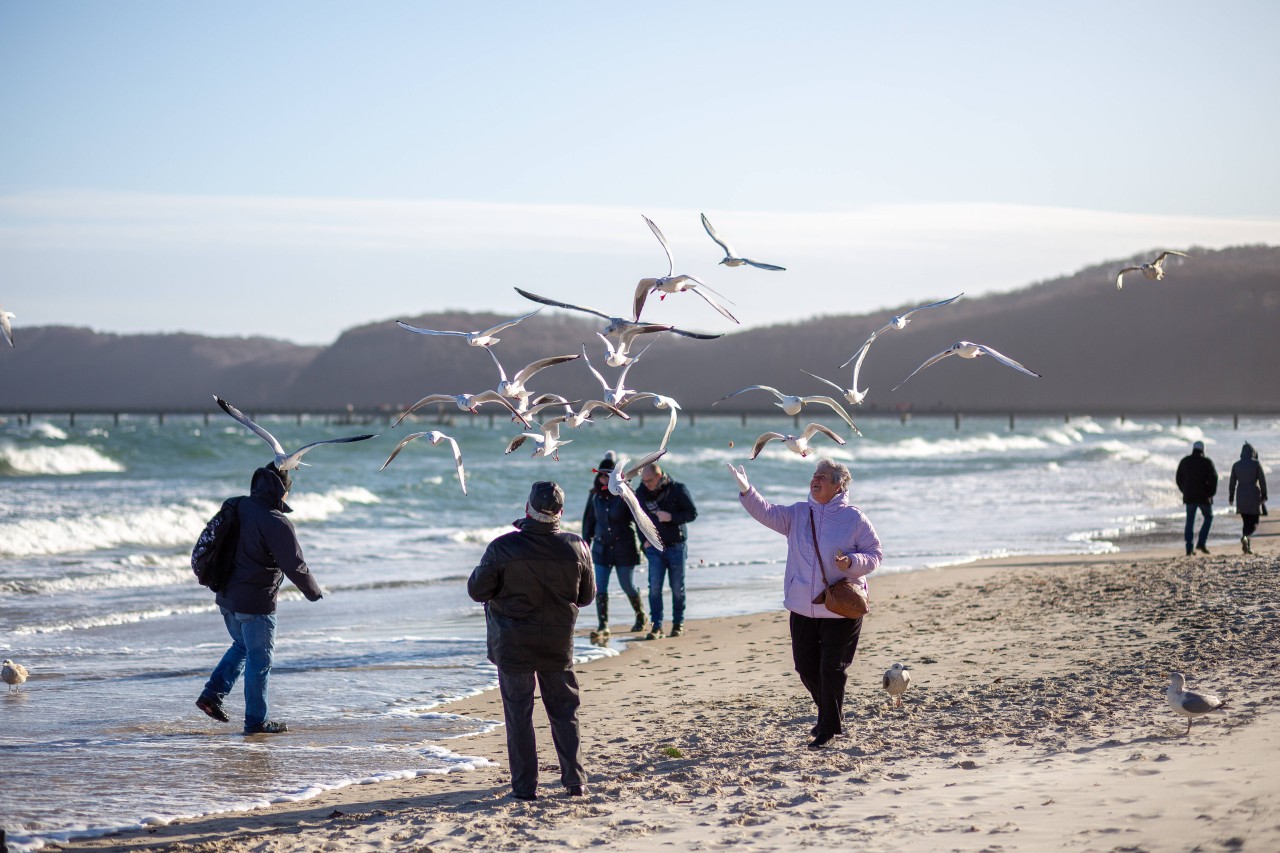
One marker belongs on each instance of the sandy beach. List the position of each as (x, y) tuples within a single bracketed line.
[(1036, 720)]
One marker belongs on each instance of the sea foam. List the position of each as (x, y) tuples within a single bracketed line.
[(63, 460)]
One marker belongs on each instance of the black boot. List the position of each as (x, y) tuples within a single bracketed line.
[(602, 614), (641, 624)]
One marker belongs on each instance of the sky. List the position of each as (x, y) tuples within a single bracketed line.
[(294, 169)]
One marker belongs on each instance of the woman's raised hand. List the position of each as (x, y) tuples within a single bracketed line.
[(740, 474)]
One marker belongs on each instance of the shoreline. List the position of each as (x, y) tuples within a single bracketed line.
[(1043, 683)]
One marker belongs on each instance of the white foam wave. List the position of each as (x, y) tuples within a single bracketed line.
[(162, 527), (112, 619), (923, 448), (44, 429), (320, 507), (65, 460), (171, 575)]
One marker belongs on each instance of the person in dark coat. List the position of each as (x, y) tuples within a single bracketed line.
[(610, 529), (1198, 480), (267, 551), (532, 582), (1247, 489), (670, 506)]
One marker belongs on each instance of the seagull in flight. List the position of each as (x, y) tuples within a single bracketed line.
[(283, 461), (1153, 270), (795, 443), (435, 437), (671, 283), (1189, 703), (547, 438), (5, 317), (660, 401), (731, 258), (617, 395), (968, 349), (619, 484), (514, 388), (465, 402), (484, 338), (792, 404)]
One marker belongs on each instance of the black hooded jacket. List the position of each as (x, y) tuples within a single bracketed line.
[(610, 530), (532, 582), (1247, 488), (1197, 478), (267, 551)]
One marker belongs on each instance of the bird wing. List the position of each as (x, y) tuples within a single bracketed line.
[(774, 391), (671, 425), (702, 336), (813, 429), (492, 396), (627, 335), (827, 381), (1120, 276), (591, 405), (1164, 255), (4, 325), (716, 305), (647, 528), (402, 324), (427, 400), (594, 372), (401, 445), (839, 409), (293, 457), (862, 351), (763, 440), (508, 324), (1005, 360), (520, 439), (935, 359), (763, 266), (457, 459), (622, 377), (647, 459), (711, 232), (545, 301), (671, 261), (932, 305), (642, 293), (526, 373), (502, 374), (240, 416), (1199, 703), (885, 683)]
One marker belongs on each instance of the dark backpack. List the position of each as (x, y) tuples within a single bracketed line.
[(214, 555)]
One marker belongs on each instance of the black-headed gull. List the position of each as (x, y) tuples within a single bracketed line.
[(573, 419), (5, 317), (618, 394), (795, 443), (514, 388), (896, 681), (465, 402), (484, 338), (672, 283), (547, 438), (792, 404), (620, 485), (660, 401), (13, 674), (731, 258), (283, 461), (435, 437), (898, 322), (968, 349), (1189, 703), (1153, 270)]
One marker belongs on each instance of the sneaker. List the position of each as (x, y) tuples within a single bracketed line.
[(677, 630), (642, 624), (269, 727), (577, 790), (213, 708), (1244, 544), (1202, 549), (655, 634)]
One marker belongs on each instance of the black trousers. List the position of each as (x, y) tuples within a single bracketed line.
[(560, 698), (1250, 520), (822, 650)]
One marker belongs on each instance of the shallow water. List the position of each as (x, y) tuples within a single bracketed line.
[(97, 597)]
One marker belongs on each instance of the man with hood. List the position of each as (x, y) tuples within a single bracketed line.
[(1198, 480), (1247, 489), (267, 552), (532, 582)]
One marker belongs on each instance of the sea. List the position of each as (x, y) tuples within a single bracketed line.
[(97, 597)]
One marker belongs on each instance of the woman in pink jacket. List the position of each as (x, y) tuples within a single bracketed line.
[(822, 642)]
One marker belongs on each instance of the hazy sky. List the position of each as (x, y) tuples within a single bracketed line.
[(297, 168)]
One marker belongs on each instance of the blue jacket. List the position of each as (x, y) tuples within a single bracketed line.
[(610, 530), (267, 551)]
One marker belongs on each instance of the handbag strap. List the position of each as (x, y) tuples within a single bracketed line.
[(817, 550)]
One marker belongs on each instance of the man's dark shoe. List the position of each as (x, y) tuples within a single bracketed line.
[(677, 630), (270, 727), (1202, 549), (213, 708), (656, 633), (821, 740), (577, 790), (525, 797), (1189, 551)]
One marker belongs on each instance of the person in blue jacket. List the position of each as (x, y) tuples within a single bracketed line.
[(610, 529)]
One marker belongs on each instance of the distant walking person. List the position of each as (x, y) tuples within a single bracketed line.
[(610, 529), (669, 505), (1247, 489), (532, 582), (1198, 480), (267, 552)]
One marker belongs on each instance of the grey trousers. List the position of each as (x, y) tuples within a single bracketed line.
[(560, 699)]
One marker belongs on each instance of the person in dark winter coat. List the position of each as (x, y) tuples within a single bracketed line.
[(669, 505), (1198, 480), (267, 552), (610, 529), (1247, 489), (532, 582)]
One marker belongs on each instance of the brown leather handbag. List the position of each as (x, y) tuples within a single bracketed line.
[(844, 597)]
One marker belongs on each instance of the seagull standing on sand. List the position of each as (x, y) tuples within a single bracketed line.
[(483, 338), (1153, 270), (672, 283), (283, 461), (434, 437), (795, 443), (1189, 703), (968, 349), (731, 258), (896, 681), (792, 404), (13, 674), (619, 484), (5, 317)]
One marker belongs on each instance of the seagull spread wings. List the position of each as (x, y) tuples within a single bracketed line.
[(619, 485), (732, 258), (968, 349), (283, 461), (483, 338), (435, 438)]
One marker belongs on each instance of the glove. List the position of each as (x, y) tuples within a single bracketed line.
[(740, 474)]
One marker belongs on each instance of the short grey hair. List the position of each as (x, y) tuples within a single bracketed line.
[(838, 473)]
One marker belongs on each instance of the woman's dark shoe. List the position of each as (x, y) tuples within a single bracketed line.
[(270, 727), (525, 797), (213, 708), (821, 740), (577, 790)]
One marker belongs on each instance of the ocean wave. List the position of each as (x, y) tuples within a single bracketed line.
[(112, 619), (924, 448), (127, 578), (325, 505), (64, 460)]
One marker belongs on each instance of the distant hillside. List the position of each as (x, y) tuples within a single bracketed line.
[(1205, 338)]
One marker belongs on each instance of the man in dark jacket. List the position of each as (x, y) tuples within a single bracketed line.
[(669, 505), (1198, 480), (267, 552), (532, 582)]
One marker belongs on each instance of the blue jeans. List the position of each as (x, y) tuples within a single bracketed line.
[(253, 645), (1207, 511), (624, 579), (670, 560)]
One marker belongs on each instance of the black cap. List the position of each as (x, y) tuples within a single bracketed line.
[(608, 463), (546, 497)]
